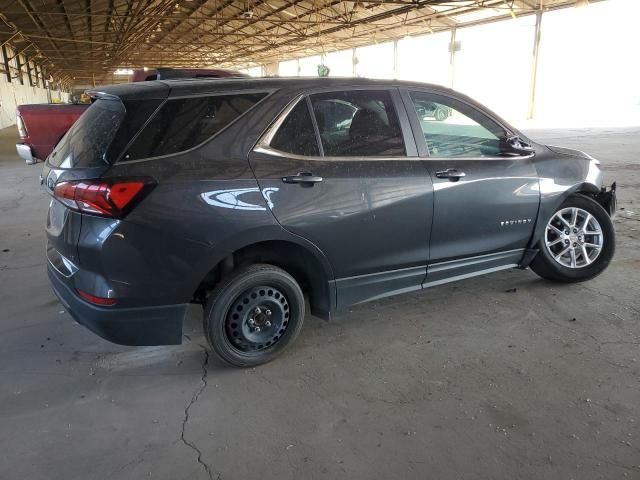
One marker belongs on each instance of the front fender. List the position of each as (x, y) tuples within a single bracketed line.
[(562, 173)]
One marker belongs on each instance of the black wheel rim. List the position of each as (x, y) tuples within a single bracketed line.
[(258, 318)]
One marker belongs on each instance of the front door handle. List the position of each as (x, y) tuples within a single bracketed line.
[(303, 178), (452, 174)]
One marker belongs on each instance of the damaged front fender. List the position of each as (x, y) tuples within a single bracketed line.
[(607, 198)]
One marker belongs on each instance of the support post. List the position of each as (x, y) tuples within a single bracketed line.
[(452, 56), (19, 65), (270, 69), (395, 59), (28, 64), (354, 61), (5, 59), (534, 66)]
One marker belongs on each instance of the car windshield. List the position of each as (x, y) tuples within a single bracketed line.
[(87, 141)]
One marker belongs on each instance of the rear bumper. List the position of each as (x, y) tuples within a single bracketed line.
[(25, 153), (158, 325)]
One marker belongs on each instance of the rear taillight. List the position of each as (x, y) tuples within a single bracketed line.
[(106, 198), (102, 301), (22, 130)]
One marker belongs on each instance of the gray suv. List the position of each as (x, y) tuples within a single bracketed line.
[(249, 196)]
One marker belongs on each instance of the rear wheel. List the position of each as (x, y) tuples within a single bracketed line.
[(253, 315), (578, 242)]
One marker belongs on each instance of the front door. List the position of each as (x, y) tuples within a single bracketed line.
[(485, 200), (340, 171)]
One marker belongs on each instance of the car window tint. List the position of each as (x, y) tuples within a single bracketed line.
[(137, 113), (296, 134), (87, 141), (183, 123), (358, 123), (454, 129)]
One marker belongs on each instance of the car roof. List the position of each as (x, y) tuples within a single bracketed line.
[(161, 89), (200, 86)]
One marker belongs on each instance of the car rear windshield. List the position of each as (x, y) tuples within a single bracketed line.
[(87, 141)]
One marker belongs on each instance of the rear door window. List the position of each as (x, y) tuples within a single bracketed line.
[(183, 123), (296, 134), (356, 123)]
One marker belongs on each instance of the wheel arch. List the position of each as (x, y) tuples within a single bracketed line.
[(549, 204), (304, 262)]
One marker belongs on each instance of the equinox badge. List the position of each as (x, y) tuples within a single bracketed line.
[(520, 221)]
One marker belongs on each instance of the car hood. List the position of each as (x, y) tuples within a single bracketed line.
[(570, 152)]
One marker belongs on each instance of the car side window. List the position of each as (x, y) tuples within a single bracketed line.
[(296, 134), (356, 123), (184, 123), (454, 129)]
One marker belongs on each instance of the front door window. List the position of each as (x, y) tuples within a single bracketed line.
[(453, 129)]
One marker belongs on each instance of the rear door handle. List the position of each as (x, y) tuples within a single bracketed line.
[(302, 178), (452, 174)]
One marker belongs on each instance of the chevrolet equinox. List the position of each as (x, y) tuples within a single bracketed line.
[(252, 196)]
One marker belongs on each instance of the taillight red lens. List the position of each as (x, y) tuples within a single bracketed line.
[(22, 130), (107, 198), (96, 300), (123, 193)]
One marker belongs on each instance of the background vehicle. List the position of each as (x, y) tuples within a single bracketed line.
[(433, 110), (244, 195), (41, 126)]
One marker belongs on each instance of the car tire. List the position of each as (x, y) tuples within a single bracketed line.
[(253, 315), (550, 265), (441, 114)]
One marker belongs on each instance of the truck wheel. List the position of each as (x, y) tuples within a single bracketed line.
[(253, 315), (578, 242)]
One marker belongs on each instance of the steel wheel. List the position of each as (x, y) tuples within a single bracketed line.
[(253, 314), (574, 237), (257, 318)]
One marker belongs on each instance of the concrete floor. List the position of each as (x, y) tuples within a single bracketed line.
[(468, 380)]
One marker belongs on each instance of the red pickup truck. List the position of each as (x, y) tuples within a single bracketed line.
[(41, 126)]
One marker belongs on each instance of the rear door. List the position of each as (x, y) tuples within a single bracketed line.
[(485, 200), (340, 168)]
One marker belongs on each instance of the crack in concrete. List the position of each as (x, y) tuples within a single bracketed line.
[(194, 399)]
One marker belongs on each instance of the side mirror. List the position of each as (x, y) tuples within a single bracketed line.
[(513, 144)]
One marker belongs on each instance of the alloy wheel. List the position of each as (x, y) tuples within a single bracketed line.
[(574, 237)]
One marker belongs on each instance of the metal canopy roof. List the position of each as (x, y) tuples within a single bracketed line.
[(83, 40)]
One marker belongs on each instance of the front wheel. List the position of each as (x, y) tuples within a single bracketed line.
[(253, 315), (578, 242)]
